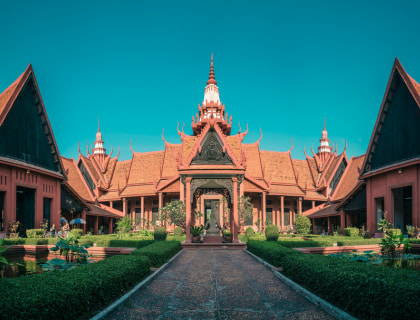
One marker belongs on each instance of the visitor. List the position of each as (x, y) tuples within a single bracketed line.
[(66, 229), (52, 230)]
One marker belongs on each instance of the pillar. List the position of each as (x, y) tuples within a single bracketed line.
[(343, 221), (329, 225), (235, 209), (160, 206), (181, 191), (95, 226), (124, 206), (111, 204), (188, 209), (313, 203), (111, 230), (84, 218), (142, 210), (264, 207), (300, 205), (313, 226), (282, 211)]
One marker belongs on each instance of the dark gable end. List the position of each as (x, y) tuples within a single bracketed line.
[(211, 151), (25, 133)]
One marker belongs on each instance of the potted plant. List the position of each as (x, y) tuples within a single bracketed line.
[(14, 225), (196, 233), (227, 236)]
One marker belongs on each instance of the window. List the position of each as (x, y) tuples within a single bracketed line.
[(47, 210), (286, 216), (155, 214), (155, 202), (249, 221), (269, 215), (137, 212), (137, 203), (379, 209), (269, 202)]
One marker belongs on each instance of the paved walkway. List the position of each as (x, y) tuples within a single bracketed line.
[(217, 284)]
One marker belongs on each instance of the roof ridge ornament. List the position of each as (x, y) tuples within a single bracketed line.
[(212, 78)]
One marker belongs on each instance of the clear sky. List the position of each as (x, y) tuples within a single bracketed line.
[(141, 66)]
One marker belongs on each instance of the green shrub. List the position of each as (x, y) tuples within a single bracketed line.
[(303, 224), (306, 243), (270, 251), (249, 232), (160, 233), (159, 252), (396, 232), (272, 232), (357, 242), (178, 231), (77, 232), (71, 294), (35, 233), (351, 232)]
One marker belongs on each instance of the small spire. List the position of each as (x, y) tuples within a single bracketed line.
[(212, 79), (98, 125), (325, 119)]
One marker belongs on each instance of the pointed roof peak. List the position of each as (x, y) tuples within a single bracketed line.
[(325, 119), (212, 79), (98, 125)]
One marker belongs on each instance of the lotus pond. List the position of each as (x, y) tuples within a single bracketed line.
[(401, 261)]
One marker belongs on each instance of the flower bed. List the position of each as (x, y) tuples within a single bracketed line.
[(365, 291)]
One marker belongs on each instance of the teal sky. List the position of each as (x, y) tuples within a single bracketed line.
[(141, 66)]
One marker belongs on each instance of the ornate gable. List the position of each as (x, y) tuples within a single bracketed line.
[(211, 150)]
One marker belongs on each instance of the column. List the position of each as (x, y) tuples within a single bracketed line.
[(181, 191), (142, 211), (188, 210), (329, 226), (313, 226), (235, 209), (282, 211), (343, 221), (160, 206), (313, 203), (110, 227), (264, 207), (111, 204), (95, 226), (300, 205), (124, 206), (84, 218)]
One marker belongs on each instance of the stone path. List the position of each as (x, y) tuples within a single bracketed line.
[(217, 284)]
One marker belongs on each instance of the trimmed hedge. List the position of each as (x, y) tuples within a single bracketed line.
[(249, 232), (77, 232), (272, 232), (72, 293), (30, 241), (178, 231), (159, 252), (35, 233), (160, 233), (351, 232), (357, 242), (363, 290)]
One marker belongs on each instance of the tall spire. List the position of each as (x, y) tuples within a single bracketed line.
[(99, 144), (212, 79), (324, 149)]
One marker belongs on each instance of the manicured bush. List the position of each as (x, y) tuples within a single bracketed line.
[(299, 243), (30, 241), (351, 232), (160, 233), (77, 232), (272, 232), (178, 231), (249, 232), (73, 293), (378, 292), (159, 252), (35, 233), (357, 242), (303, 224)]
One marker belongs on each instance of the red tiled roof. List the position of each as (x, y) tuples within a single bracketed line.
[(303, 174), (253, 167), (286, 190), (92, 169), (119, 178), (7, 94), (314, 169), (75, 179), (138, 190), (110, 169), (110, 196), (322, 210), (187, 145), (332, 168), (146, 167), (169, 168), (277, 167), (249, 186), (350, 178), (104, 211), (314, 195), (235, 145)]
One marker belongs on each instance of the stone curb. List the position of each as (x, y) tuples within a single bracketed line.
[(125, 297), (324, 305)]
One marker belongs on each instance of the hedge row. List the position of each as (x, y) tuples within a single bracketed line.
[(30, 241), (363, 290), (159, 252), (81, 291), (72, 293)]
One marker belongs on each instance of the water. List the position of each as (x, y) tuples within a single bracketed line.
[(23, 265)]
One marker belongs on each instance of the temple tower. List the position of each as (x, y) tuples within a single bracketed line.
[(99, 152), (324, 149)]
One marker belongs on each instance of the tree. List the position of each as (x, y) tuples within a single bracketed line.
[(303, 224), (174, 212), (123, 226)]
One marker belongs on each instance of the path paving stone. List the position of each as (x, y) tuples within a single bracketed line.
[(217, 284)]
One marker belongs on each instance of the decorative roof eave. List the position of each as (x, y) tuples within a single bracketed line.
[(108, 183), (21, 82), (397, 68), (28, 166), (98, 170), (226, 146), (391, 167), (166, 183), (90, 192), (346, 172), (342, 156), (84, 160), (257, 183)]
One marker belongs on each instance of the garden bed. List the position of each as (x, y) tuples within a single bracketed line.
[(363, 290)]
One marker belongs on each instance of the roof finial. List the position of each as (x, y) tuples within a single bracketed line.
[(325, 119), (98, 125), (212, 79)]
